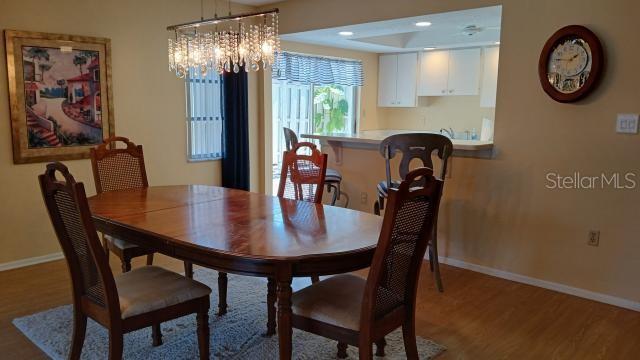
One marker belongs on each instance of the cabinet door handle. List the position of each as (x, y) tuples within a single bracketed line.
[(451, 91), (443, 91)]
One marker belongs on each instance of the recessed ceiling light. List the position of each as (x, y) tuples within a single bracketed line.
[(345, 33), (429, 48), (423, 24), (497, 42)]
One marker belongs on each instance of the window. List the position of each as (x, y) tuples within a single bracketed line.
[(312, 109), (334, 108), (204, 116)]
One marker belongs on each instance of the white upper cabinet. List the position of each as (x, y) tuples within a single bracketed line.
[(449, 73), (434, 73), (464, 72), (387, 73), (397, 83), (489, 77), (407, 80)]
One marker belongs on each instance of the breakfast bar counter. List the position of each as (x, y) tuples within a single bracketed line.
[(372, 139), (375, 137)]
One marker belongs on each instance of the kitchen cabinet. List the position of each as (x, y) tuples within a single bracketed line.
[(434, 73), (489, 86), (397, 74), (449, 73)]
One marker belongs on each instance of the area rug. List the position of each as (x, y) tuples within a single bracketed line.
[(236, 335)]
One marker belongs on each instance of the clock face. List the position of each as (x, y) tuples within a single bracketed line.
[(569, 65)]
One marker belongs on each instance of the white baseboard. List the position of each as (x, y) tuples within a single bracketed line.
[(31, 261), (586, 294)]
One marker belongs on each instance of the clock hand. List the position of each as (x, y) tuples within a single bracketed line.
[(569, 59)]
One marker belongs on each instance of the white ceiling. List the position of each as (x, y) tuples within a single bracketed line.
[(400, 35)]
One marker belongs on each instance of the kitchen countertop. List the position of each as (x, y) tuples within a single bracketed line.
[(375, 137)]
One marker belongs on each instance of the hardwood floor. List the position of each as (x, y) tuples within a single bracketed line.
[(477, 317)]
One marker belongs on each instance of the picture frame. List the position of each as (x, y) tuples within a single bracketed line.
[(60, 95)]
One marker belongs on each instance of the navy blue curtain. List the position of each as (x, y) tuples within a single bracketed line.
[(235, 163)]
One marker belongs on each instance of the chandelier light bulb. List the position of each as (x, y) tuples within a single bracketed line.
[(266, 48)]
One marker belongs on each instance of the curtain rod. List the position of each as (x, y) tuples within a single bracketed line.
[(215, 20), (321, 56)]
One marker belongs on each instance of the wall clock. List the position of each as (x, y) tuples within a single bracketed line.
[(571, 63)]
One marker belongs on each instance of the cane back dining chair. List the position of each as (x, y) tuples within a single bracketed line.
[(419, 146), (360, 312), (332, 178), (302, 176), (134, 300), (122, 169)]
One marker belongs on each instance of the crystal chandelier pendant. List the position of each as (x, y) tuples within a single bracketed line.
[(225, 44)]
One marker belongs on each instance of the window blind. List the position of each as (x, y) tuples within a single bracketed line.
[(308, 69), (204, 116)]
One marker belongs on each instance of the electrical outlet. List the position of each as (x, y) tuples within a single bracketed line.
[(594, 238), (363, 198)]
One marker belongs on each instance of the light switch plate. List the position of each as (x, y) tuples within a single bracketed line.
[(627, 124)]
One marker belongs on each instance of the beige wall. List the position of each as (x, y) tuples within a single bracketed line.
[(433, 113), (149, 106), (497, 212)]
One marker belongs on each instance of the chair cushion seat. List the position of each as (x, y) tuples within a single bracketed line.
[(119, 243), (383, 190), (332, 176), (151, 288), (336, 301)]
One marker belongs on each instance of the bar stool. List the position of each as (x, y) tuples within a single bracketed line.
[(415, 146)]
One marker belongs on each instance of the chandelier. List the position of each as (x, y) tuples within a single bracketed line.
[(247, 41)]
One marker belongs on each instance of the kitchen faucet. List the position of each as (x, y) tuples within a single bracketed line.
[(448, 131)]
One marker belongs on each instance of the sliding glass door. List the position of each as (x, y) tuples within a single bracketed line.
[(309, 109)]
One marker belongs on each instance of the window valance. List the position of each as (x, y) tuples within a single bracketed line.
[(316, 70)]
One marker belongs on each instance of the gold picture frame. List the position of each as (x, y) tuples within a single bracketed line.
[(57, 88)]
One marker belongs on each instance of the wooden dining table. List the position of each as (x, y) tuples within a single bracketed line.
[(244, 233)]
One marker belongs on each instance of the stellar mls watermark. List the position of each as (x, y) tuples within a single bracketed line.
[(578, 181)]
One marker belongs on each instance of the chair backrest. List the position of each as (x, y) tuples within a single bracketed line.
[(302, 176), (118, 169), (416, 146), (406, 231), (290, 138), (66, 202)]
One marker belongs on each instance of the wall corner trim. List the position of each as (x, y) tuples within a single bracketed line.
[(31, 261), (565, 289)]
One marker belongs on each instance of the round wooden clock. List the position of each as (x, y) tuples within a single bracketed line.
[(571, 63)]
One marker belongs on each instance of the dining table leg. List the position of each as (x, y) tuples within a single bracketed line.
[(285, 330), (271, 306)]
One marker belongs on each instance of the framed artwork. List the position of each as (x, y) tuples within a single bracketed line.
[(60, 95)]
